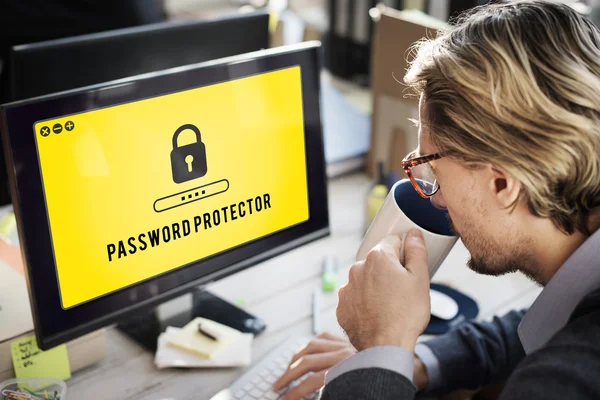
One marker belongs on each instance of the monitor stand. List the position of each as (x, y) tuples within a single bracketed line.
[(145, 327)]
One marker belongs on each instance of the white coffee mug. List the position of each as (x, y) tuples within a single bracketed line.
[(403, 210)]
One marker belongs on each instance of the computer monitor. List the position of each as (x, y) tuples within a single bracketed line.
[(130, 193), (62, 64)]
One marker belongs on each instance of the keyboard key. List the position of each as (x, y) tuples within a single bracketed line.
[(239, 394), (278, 372), (259, 385), (273, 367)]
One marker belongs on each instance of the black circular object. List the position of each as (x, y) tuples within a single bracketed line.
[(467, 311)]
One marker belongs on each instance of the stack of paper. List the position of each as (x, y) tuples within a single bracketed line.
[(186, 347)]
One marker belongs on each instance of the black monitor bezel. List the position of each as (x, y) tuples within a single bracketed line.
[(53, 324)]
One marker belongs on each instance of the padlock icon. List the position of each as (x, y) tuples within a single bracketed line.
[(188, 162)]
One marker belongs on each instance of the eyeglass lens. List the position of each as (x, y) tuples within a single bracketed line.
[(425, 178)]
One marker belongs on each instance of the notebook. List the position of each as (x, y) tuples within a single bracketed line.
[(238, 353), (189, 339)]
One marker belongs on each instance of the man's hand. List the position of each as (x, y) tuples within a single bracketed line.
[(321, 354), (420, 377), (385, 303)]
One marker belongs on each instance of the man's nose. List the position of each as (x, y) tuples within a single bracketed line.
[(438, 200)]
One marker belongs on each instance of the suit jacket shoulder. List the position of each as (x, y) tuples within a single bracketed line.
[(568, 366)]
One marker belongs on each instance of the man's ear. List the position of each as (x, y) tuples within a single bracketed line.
[(505, 188)]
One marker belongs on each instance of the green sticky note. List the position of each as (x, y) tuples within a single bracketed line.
[(31, 362)]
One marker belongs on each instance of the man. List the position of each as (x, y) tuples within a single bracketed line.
[(510, 109)]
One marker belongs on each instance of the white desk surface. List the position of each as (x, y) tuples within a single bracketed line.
[(279, 291)]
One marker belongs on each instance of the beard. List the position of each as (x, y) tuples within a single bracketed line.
[(451, 225), (488, 257)]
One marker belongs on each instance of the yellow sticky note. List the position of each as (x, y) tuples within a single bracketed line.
[(31, 362), (189, 339)]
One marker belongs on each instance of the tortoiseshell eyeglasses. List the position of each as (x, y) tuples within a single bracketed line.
[(421, 173)]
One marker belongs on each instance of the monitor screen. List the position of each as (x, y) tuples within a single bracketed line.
[(139, 189), (132, 192)]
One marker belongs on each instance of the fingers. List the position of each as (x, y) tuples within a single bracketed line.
[(390, 244), (415, 253), (330, 336), (311, 363), (308, 363), (311, 384), (343, 306), (319, 345)]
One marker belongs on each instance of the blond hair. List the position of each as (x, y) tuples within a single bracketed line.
[(517, 85)]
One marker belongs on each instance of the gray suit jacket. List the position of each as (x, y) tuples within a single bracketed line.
[(478, 354)]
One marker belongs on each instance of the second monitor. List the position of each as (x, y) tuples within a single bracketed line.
[(63, 64)]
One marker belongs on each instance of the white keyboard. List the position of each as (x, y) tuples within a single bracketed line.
[(257, 382)]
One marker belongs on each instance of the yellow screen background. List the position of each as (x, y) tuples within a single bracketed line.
[(102, 178)]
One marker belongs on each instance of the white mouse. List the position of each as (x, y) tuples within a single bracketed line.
[(442, 305)]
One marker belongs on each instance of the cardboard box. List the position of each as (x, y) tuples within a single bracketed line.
[(393, 135), (399, 148), (290, 27)]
